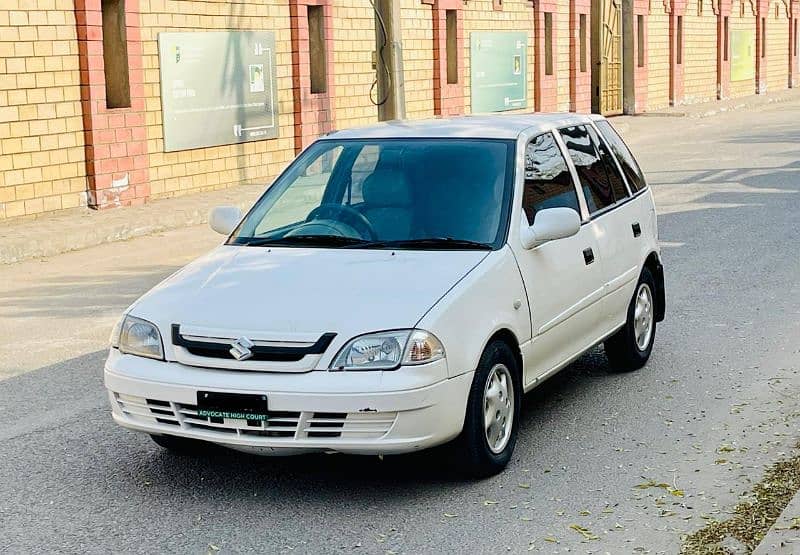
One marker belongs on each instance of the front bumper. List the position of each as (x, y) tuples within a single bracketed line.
[(349, 412)]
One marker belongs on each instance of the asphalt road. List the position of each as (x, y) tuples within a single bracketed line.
[(719, 400)]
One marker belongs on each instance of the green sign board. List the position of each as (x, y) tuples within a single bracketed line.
[(217, 88), (498, 70), (743, 61)]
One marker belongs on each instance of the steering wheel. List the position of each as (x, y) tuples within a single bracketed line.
[(345, 214)]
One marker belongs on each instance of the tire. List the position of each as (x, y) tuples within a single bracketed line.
[(630, 348), (181, 445), (498, 370)]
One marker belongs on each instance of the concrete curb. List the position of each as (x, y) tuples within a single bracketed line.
[(783, 538), (83, 228)]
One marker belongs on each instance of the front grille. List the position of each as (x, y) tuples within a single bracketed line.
[(213, 348), (279, 424)]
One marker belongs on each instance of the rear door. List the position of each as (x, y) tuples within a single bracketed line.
[(564, 279), (607, 199)]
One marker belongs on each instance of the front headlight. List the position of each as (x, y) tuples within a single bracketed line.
[(388, 350), (135, 336)]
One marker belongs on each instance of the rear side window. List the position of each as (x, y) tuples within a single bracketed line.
[(591, 172), (601, 182), (548, 183), (612, 170), (629, 166)]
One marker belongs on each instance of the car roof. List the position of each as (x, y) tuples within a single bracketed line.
[(495, 126)]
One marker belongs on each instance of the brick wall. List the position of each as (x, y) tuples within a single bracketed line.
[(417, 33), (174, 173), (516, 15), (700, 71), (61, 147), (42, 166), (777, 45), (658, 56), (743, 18)]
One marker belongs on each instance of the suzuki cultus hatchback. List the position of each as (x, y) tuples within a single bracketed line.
[(399, 287)]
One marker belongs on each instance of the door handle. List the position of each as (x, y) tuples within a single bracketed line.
[(637, 229), (588, 256)]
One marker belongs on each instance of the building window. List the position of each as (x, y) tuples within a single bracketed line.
[(763, 37), (699, 7), (548, 43), (679, 40), (115, 54), (582, 31), (318, 56), (725, 34), (796, 38), (451, 37), (640, 40)]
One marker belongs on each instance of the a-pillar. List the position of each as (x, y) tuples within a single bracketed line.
[(545, 85), (313, 111), (677, 40), (115, 138), (723, 11)]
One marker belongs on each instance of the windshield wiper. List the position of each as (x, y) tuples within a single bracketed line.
[(309, 240), (430, 242)]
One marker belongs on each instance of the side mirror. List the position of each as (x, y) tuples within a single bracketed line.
[(550, 224), (224, 219)]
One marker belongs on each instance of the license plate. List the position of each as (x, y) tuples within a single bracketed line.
[(242, 406)]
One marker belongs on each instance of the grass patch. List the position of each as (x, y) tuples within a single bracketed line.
[(754, 516)]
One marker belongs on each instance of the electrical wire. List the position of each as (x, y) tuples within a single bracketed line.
[(382, 61)]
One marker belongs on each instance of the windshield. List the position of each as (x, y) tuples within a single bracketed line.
[(419, 193)]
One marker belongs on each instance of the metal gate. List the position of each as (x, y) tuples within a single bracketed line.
[(607, 46)]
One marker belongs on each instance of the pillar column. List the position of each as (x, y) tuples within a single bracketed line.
[(115, 138), (677, 48), (722, 9), (545, 86), (762, 13), (448, 96), (313, 111)]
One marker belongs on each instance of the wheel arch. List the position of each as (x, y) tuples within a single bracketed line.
[(653, 263), (509, 338)]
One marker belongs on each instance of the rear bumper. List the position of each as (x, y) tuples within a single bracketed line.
[(358, 413)]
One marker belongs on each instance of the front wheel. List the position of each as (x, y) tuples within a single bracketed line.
[(493, 407), (630, 348)]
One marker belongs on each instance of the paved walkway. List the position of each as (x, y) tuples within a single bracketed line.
[(80, 228)]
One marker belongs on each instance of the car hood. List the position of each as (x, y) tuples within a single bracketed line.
[(298, 294)]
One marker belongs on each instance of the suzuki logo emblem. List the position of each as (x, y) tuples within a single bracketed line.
[(240, 349)]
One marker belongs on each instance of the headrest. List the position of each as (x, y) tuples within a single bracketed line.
[(386, 188)]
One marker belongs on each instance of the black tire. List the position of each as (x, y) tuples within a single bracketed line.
[(623, 352), (476, 457), (181, 445)]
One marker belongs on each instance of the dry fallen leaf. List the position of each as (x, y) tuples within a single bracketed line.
[(584, 532)]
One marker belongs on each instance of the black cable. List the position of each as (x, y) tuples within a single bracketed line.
[(383, 61)]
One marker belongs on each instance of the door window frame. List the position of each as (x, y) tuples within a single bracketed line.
[(585, 215), (583, 207)]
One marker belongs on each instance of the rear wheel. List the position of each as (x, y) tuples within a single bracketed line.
[(493, 407), (630, 348), (180, 445)]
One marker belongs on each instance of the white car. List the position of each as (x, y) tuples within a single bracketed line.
[(399, 287)]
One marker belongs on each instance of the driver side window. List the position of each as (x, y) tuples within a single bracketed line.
[(548, 183)]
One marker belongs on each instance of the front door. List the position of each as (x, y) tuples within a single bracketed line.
[(564, 278), (607, 57)]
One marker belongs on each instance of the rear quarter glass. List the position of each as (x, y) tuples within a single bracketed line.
[(630, 167)]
